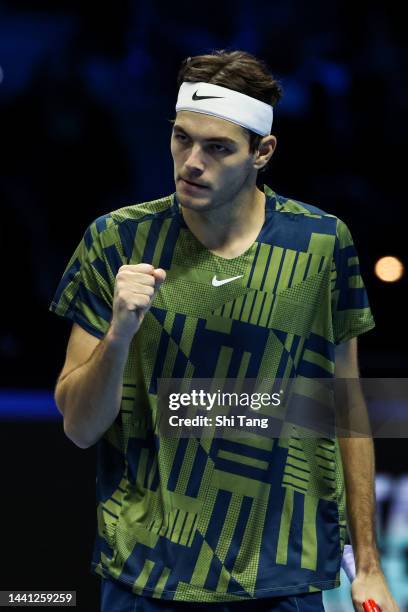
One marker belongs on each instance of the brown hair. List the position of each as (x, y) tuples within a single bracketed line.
[(237, 70)]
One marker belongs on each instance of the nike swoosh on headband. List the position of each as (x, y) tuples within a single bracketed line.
[(217, 283), (195, 97)]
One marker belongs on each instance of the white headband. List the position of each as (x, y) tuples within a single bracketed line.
[(227, 104)]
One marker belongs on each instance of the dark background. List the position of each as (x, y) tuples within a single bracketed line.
[(85, 96)]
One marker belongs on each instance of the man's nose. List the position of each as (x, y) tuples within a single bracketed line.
[(194, 161)]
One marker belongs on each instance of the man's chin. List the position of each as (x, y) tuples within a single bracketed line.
[(195, 202)]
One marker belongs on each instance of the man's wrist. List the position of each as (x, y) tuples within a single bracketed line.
[(368, 561), (115, 342)]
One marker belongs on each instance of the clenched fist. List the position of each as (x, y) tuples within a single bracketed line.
[(135, 288)]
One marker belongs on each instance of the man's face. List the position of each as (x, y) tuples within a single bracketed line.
[(211, 158)]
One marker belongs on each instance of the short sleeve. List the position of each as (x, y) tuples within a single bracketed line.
[(85, 292), (351, 313)]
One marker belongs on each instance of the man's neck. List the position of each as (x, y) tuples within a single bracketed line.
[(230, 229)]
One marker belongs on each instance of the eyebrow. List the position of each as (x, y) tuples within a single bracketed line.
[(223, 139)]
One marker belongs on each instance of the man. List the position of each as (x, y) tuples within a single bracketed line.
[(220, 279)]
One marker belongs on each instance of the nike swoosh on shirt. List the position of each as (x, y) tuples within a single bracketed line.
[(217, 283), (195, 97)]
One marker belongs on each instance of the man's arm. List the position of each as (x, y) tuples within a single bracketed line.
[(358, 461), (358, 464), (89, 388)]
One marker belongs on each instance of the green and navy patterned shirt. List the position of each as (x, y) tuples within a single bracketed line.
[(219, 520)]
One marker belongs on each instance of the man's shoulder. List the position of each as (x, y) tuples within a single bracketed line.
[(310, 217), (291, 205), (138, 212), (130, 215)]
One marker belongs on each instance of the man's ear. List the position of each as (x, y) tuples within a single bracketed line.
[(265, 151)]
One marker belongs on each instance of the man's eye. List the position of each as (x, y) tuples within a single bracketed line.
[(219, 148), (180, 137)]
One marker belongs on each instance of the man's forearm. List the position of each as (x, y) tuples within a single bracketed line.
[(89, 396), (359, 473)]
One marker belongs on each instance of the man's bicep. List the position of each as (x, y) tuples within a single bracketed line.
[(81, 345), (346, 359)]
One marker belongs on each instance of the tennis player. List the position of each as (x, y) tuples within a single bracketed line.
[(219, 279)]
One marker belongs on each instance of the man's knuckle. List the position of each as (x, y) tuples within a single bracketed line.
[(121, 276), (121, 300), (145, 279)]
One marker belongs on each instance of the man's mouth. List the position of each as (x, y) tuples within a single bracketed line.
[(193, 184)]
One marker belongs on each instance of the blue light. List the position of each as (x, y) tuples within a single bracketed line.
[(333, 76), (28, 405)]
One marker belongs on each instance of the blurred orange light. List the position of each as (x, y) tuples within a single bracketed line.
[(389, 269)]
